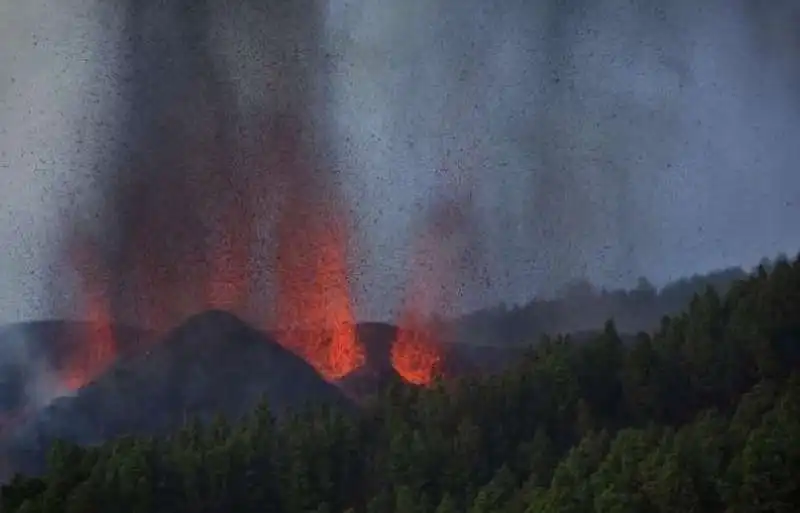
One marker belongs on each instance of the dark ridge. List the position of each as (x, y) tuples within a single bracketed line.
[(377, 339), (212, 364), (367, 382)]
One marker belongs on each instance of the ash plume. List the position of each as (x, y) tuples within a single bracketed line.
[(221, 127), (600, 140)]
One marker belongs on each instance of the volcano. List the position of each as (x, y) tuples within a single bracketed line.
[(211, 364)]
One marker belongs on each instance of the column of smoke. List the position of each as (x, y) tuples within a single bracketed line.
[(218, 167), (575, 118)]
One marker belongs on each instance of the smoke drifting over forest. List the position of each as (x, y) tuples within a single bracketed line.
[(198, 154)]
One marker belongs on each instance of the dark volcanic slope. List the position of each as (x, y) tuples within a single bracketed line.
[(377, 339), (213, 363), (377, 372)]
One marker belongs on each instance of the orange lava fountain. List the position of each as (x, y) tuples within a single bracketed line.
[(99, 347), (199, 254), (314, 311), (416, 354)]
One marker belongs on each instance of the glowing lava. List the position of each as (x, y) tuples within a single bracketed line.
[(314, 311), (186, 242), (417, 354), (97, 346)]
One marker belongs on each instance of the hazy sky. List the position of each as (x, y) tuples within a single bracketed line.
[(677, 130), (52, 104), (657, 142)]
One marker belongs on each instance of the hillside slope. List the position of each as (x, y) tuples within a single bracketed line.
[(212, 364)]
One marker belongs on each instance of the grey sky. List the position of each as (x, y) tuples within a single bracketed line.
[(672, 135), (56, 109), (677, 114)]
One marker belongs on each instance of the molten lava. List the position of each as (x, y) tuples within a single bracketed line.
[(314, 310), (97, 348), (416, 355), (190, 242)]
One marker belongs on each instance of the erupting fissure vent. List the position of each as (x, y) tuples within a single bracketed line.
[(312, 312), (99, 347), (415, 354), (314, 307), (418, 354)]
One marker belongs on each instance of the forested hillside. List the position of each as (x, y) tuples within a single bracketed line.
[(703, 415), (581, 306)]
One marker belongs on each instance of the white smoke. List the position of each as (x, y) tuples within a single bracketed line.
[(37, 379)]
